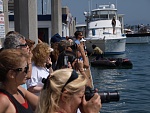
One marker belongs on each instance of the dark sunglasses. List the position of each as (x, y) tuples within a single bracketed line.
[(22, 45), (20, 69), (73, 76)]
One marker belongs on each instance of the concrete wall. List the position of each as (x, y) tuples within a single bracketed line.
[(45, 24)]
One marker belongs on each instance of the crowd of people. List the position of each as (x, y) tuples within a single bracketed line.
[(35, 78)]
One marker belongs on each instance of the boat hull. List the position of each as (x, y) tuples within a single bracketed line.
[(112, 63), (108, 46), (138, 38)]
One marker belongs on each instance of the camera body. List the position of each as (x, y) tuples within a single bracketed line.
[(48, 66), (66, 61), (106, 96)]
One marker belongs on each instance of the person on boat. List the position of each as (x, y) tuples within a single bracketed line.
[(65, 94), (113, 24), (97, 51), (13, 73)]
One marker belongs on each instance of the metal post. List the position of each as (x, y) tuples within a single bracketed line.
[(5, 7), (56, 17), (25, 16)]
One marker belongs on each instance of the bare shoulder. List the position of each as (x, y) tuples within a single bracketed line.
[(22, 90), (25, 92), (4, 103)]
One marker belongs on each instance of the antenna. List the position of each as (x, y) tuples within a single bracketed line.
[(89, 5), (116, 4)]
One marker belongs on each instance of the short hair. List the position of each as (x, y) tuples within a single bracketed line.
[(12, 41), (77, 33), (93, 46), (10, 59), (30, 43), (11, 32), (50, 95), (63, 44)]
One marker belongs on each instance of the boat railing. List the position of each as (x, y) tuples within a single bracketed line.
[(104, 32)]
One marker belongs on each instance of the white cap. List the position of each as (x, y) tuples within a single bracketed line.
[(82, 40)]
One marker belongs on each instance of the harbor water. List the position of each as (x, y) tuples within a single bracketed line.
[(133, 84)]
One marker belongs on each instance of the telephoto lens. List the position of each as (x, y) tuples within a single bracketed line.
[(106, 96)]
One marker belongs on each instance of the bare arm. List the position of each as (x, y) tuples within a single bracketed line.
[(30, 65), (35, 89), (85, 59), (92, 106), (4, 103), (81, 70)]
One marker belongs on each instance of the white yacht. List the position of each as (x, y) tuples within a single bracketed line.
[(140, 36), (100, 31)]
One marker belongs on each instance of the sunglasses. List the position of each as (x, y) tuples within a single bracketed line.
[(22, 45), (20, 69), (73, 76)]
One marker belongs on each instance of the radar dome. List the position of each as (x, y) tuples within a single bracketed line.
[(112, 6)]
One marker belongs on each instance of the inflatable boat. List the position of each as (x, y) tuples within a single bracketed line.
[(112, 63)]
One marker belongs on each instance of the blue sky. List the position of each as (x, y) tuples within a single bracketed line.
[(135, 11)]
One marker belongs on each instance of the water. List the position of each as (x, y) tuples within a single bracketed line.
[(132, 84)]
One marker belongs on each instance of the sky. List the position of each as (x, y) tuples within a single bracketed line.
[(135, 11)]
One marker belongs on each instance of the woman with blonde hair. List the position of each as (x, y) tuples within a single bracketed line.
[(41, 67), (63, 92)]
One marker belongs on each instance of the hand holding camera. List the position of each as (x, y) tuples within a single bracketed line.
[(106, 96), (48, 63), (92, 106)]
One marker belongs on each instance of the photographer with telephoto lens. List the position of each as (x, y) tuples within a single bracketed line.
[(106, 96), (63, 92)]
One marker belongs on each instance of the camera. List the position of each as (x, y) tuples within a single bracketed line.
[(48, 66), (66, 61), (106, 96)]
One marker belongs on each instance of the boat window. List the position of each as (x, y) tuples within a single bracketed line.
[(104, 17), (95, 15), (112, 14), (104, 12), (93, 32)]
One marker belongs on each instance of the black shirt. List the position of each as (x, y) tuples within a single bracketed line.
[(19, 108)]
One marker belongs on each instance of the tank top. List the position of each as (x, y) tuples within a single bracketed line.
[(19, 107)]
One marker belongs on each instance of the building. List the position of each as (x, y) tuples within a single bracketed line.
[(44, 20)]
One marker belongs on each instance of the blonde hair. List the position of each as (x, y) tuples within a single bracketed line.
[(50, 96), (40, 53)]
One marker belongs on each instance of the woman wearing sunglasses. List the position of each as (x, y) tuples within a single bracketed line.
[(13, 73), (63, 92)]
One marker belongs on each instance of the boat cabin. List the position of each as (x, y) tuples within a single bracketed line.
[(105, 12)]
